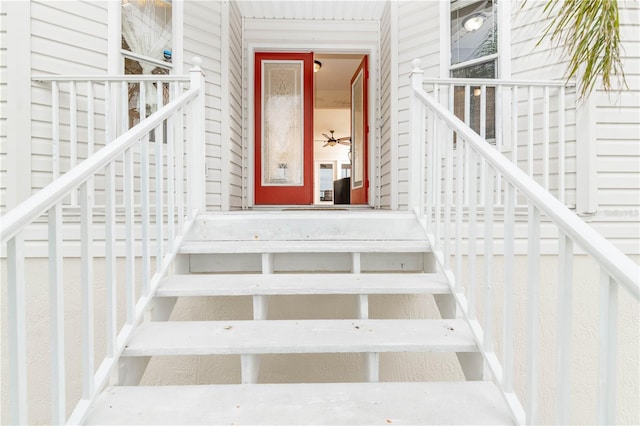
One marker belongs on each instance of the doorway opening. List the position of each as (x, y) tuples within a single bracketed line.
[(333, 145)]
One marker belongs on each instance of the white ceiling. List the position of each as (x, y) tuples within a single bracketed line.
[(365, 10), (333, 81)]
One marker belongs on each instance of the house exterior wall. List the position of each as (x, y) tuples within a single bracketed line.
[(203, 22), (237, 168), (388, 115), (3, 109)]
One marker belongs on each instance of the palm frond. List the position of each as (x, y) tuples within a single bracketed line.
[(589, 32)]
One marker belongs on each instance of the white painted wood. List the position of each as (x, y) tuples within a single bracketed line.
[(16, 321), (309, 225), (86, 282), (18, 97), (383, 246), (563, 345), (509, 291), (607, 353), (73, 130), (257, 284), (299, 336), (472, 261), (56, 317), (111, 296), (308, 403), (545, 137), (159, 181), (530, 105), (55, 129), (533, 317), (489, 314), (144, 195), (130, 288), (586, 157), (196, 151), (562, 131)]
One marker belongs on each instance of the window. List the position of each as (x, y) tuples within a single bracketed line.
[(146, 47), (474, 54)]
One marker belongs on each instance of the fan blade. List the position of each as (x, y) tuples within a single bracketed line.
[(345, 138), (326, 144), (327, 136), (347, 143)]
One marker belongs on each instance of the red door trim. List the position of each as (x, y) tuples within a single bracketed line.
[(283, 195), (360, 195)]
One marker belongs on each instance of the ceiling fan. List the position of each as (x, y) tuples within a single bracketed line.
[(332, 141)]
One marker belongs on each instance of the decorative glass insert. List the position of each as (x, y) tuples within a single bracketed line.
[(326, 182), (357, 132), (473, 30), (146, 30), (282, 123)]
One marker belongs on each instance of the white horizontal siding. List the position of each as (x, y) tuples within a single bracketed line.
[(202, 38), (235, 106), (326, 9), (66, 38), (3, 110), (385, 108), (418, 37), (618, 141)]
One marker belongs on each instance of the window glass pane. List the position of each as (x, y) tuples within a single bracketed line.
[(484, 70), (282, 123), (146, 30), (326, 182), (473, 30), (357, 131)]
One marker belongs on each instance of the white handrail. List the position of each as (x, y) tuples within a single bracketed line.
[(617, 265), (498, 82), (163, 78), (33, 207)]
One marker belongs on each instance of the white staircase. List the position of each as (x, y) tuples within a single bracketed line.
[(302, 253)]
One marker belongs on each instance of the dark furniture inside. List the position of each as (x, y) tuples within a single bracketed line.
[(342, 191)]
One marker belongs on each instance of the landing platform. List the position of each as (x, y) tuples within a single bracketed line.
[(304, 404)]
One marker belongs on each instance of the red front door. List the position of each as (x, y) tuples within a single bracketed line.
[(359, 134), (283, 128)]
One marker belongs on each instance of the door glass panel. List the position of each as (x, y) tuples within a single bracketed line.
[(357, 132), (326, 182), (282, 123)]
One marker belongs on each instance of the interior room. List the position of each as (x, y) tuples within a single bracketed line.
[(332, 126)]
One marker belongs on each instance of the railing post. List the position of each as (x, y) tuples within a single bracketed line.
[(416, 161), (196, 148)]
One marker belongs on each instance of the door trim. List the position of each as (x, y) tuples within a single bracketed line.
[(369, 49)]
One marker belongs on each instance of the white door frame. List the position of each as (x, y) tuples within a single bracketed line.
[(315, 47)]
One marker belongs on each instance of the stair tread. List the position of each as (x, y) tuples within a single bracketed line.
[(305, 246), (307, 403), (299, 336), (273, 284)]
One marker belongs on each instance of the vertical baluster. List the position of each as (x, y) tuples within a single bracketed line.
[(509, 283), (428, 164), (124, 107), (55, 125), (56, 316), (91, 132), (129, 235), (483, 134), (438, 141), (471, 241), (108, 114), (180, 184), (73, 134), (488, 262), (171, 137), (86, 273), (16, 306), (545, 138), (608, 348), (144, 196), (514, 125), (563, 361), (561, 143), (530, 131), (459, 211), (533, 317), (467, 121), (110, 259), (159, 184), (448, 193), (499, 110)]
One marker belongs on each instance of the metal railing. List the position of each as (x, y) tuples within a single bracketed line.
[(445, 183), (176, 167)]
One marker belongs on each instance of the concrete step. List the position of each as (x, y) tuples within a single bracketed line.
[(290, 284), (299, 336), (303, 404)]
